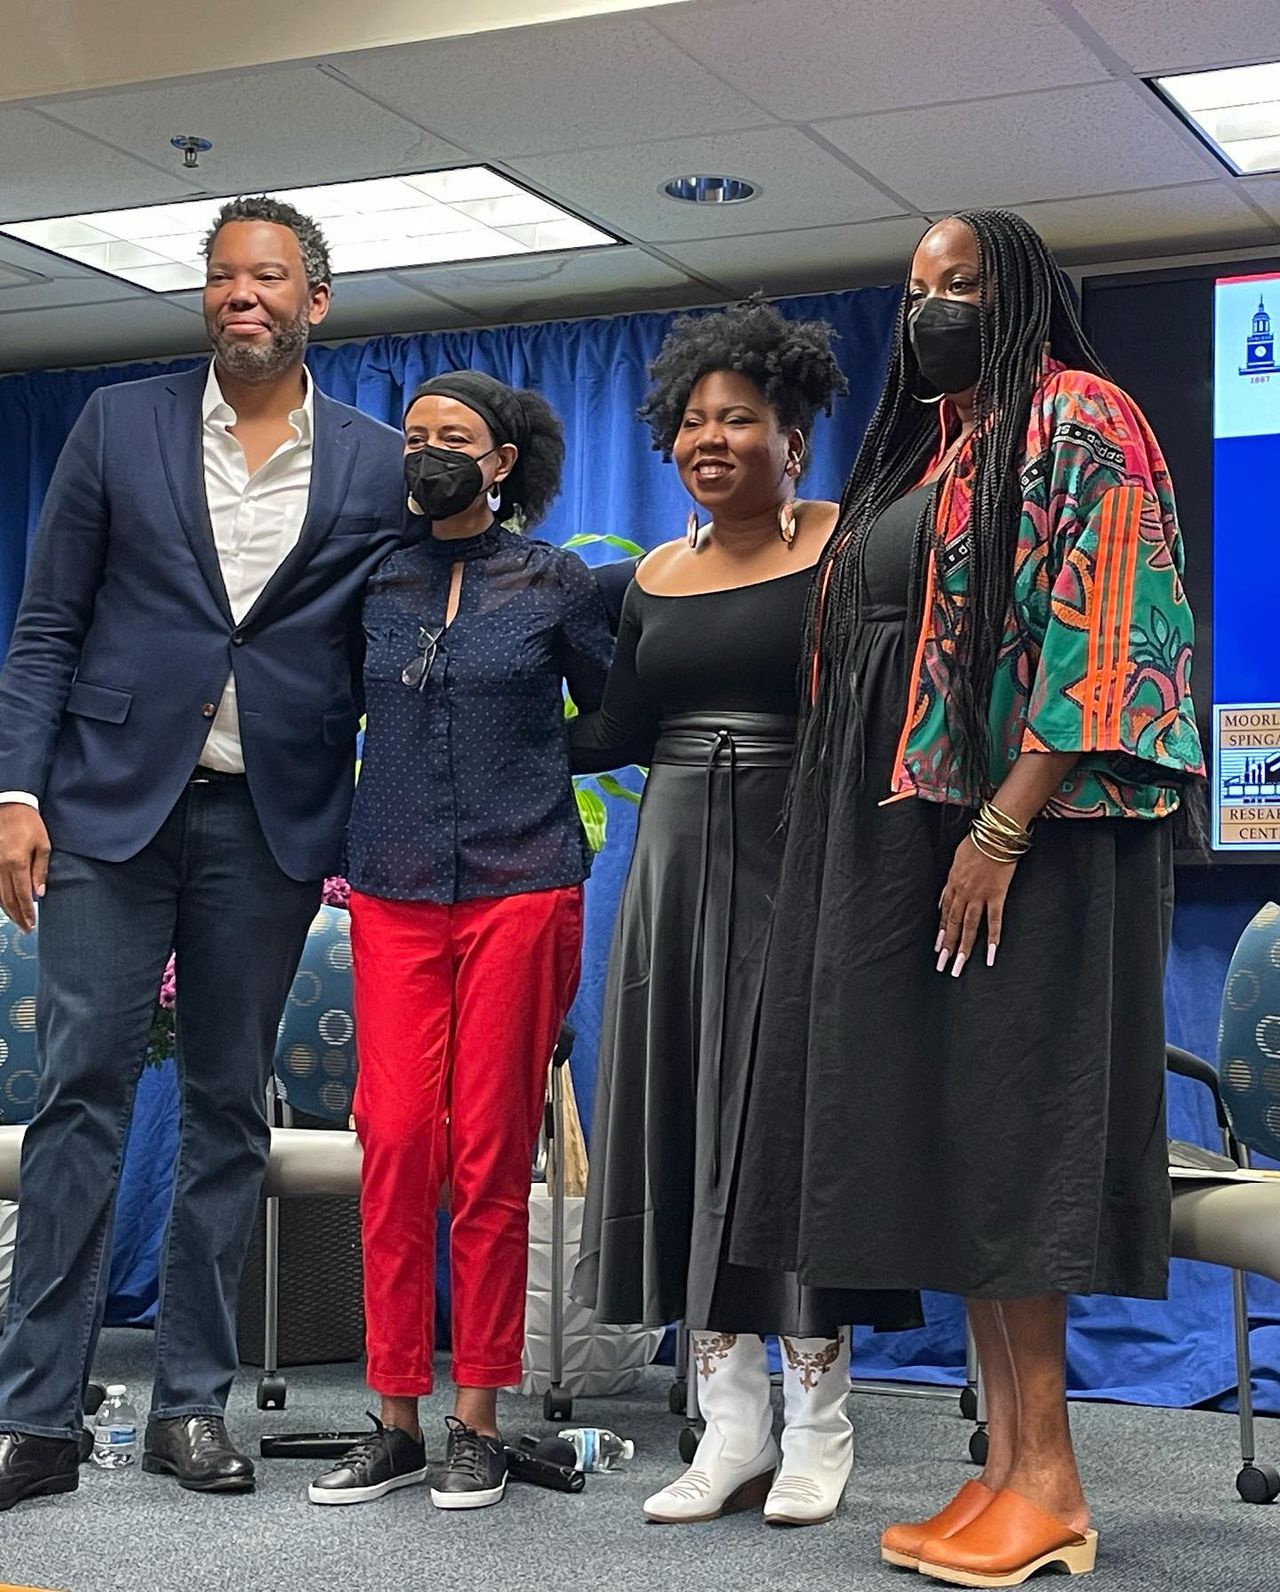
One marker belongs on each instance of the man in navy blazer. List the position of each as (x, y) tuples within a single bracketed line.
[(178, 714)]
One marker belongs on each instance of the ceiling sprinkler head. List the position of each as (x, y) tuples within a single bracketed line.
[(192, 148)]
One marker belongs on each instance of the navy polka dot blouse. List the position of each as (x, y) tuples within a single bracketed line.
[(464, 789)]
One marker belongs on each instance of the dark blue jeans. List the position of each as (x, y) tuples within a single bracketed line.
[(208, 887)]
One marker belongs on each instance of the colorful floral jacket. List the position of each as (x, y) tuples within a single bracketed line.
[(1096, 656)]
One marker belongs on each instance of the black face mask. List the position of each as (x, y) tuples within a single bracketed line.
[(946, 335), (443, 482)]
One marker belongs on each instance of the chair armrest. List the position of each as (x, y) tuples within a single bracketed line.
[(1186, 1065)]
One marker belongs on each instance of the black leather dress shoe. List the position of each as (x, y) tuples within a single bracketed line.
[(197, 1450), (30, 1467)]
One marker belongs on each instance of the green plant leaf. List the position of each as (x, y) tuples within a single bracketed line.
[(614, 787), (592, 539), (594, 815)]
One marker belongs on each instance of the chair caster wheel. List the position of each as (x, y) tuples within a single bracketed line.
[(690, 1436), (969, 1403), (1258, 1484), (557, 1405), (272, 1393), (978, 1446), (678, 1397)]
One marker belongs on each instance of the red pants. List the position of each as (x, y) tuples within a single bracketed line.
[(457, 1011)]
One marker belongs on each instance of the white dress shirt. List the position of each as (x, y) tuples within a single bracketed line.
[(256, 521)]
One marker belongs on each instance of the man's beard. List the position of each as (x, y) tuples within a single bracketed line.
[(261, 361)]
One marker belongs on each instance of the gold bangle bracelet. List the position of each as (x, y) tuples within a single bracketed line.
[(1002, 821), (1007, 858)]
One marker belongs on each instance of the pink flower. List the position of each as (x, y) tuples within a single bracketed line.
[(336, 892), (168, 996)]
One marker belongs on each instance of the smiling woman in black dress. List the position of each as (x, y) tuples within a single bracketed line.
[(704, 690)]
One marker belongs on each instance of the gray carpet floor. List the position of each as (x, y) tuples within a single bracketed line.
[(1161, 1483)]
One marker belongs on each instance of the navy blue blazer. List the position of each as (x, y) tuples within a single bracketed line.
[(124, 638)]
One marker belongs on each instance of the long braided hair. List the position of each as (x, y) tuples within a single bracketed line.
[(1026, 309)]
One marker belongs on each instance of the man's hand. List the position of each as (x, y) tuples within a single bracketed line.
[(24, 861)]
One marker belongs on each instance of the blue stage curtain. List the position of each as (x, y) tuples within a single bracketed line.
[(594, 373)]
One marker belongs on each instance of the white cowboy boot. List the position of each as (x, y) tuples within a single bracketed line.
[(737, 1455), (817, 1440)]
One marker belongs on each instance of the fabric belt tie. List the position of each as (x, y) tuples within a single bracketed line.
[(720, 744)]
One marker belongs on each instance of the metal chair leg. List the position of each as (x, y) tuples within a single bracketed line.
[(557, 1404)]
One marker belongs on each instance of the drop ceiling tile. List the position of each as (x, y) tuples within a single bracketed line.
[(367, 306), (137, 328), (1058, 144), (1263, 191), (47, 280), (1155, 36), (549, 287), (801, 185), (819, 58), (1198, 216), (610, 80), (814, 259), (60, 291), (273, 129), (50, 170)]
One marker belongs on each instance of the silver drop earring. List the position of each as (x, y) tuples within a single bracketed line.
[(493, 497)]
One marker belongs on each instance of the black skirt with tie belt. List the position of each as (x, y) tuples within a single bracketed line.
[(680, 1009)]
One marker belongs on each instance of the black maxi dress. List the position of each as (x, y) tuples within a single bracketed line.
[(998, 1135), (703, 691)]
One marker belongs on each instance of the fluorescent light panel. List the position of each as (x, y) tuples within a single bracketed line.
[(383, 224), (1236, 111)]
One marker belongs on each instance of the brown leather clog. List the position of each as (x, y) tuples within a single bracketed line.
[(900, 1544), (1010, 1540)]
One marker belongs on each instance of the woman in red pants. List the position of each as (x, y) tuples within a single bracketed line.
[(466, 859)]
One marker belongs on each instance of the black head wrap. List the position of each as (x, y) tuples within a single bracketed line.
[(498, 405)]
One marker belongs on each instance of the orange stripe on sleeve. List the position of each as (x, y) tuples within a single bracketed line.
[(1128, 582)]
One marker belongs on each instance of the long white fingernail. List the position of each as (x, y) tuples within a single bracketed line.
[(991, 956), (940, 941), (942, 960), (959, 963)]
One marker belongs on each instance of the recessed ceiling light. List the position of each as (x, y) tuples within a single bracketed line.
[(383, 224), (1235, 110), (710, 190)]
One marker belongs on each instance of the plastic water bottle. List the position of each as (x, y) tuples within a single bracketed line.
[(115, 1430), (599, 1449)]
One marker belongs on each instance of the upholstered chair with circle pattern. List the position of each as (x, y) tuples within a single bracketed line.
[(315, 1062), (1249, 1036), (18, 1071)]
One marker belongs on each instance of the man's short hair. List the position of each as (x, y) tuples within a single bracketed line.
[(258, 207)]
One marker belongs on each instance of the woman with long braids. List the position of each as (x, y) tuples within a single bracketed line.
[(703, 689), (959, 1079)]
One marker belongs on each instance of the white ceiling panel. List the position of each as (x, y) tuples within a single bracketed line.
[(808, 261), (608, 81), (1058, 144), (269, 130), (56, 293), (386, 303), (557, 285), (801, 185), (821, 58), (1263, 191), (49, 170), (136, 328), (1182, 35), (1205, 215)]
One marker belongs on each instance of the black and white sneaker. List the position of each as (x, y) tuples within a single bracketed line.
[(475, 1472), (388, 1458)]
